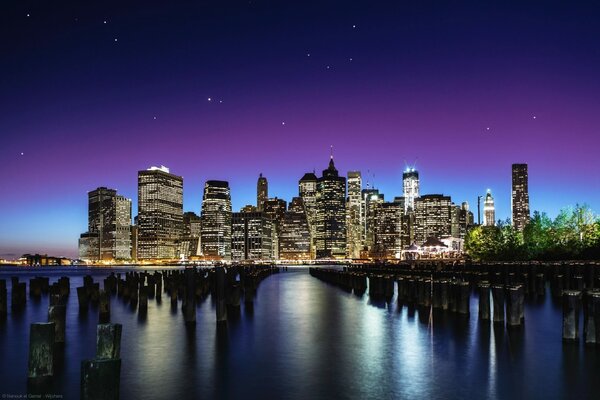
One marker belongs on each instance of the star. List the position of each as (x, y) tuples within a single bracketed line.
[(154, 117), (487, 129), (209, 99), (28, 15), (22, 154), (307, 54), (328, 67), (220, 101), (104, 21), (283, 123), (350, 58), (353, 26), (116, 40), (534, 117)]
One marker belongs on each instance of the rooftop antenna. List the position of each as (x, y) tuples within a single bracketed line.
[(331, 152)]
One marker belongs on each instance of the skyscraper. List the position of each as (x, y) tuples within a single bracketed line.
[(520, 196), (262, 192), (410, 183), (371, 199), (275, 210), (353, 214), (109, 227), (190, 239), (215, 238), (489, 211), (307, 189), (465, 220), (387, 232), (331, 214), (294, 237), (160, 213), (251, 237), (433, 217)]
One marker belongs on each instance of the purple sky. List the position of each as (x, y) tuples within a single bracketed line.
[(406, 83)]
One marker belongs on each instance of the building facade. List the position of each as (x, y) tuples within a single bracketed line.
[(331, 214), (489, 210), (251, 237), (215, 230), (294, 237), (160, 214), (520, 196), (190, 239), (307, 190), (353, 215), (410, 184), (109, 227), (433, 217), (262, 192), (387, 232)]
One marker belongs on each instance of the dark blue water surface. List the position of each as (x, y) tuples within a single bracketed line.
[(305, 339)]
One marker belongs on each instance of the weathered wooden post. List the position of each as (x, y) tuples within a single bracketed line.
[(571, 302), (189, 306), (100, 379), (143, 304), (103, 306), (82, 298), (3, 299), (58, 314), (18, 297), (445, 292), (513, 308), (498, 300), (464, 297), (426, 293), (540, 284), (589, 321), (220, 294), (484, 301), (437, 294), (108, 341), (41, 351)]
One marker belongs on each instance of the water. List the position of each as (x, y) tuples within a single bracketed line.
[(306, 339)]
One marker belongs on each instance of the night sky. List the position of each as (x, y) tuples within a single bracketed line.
[(92, 93)]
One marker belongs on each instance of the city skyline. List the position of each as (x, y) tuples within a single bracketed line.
[(238, 206), (93, 93)]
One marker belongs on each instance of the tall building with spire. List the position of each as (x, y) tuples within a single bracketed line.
[(262, 192), (160, 213), (307, 190), (215, 228), (353, 214), (489, 211), (520, 196), (331, 214), (410, 184)]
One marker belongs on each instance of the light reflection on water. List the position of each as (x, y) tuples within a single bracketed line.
[(305, 339)]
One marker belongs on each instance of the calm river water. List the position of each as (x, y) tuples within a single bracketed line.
[(305, 339)]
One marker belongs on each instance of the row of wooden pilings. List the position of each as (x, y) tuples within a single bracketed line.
[(451, 291), (100, 377)]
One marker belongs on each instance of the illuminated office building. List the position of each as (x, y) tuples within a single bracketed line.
[(489, 211), (520, 196), (109, 227), (307, 189), (262, 192), (353, 215), (410, 183), (433, 217), (215, 230), (294, 237), (251, 237), (160, 213), (331, 214)]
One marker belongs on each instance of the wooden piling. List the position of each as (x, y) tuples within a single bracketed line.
[(498, 300), (221, 308), (484, 301), (571, 304), (3, 299), (464, 297), (58, 314), (513, 308), (100, 379), (108, 341), (103, 307), (41, 350)]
